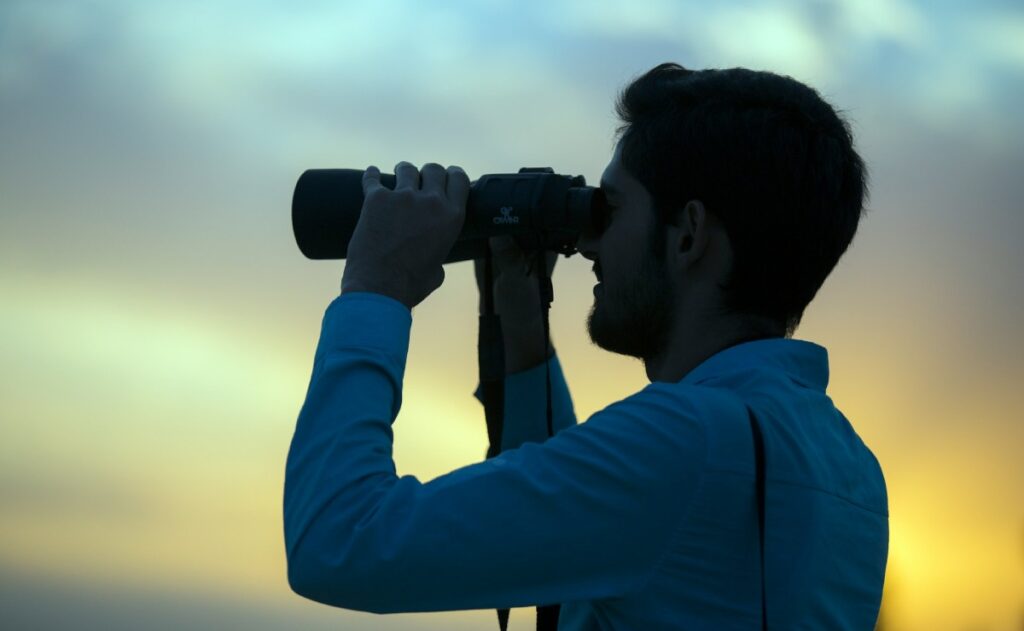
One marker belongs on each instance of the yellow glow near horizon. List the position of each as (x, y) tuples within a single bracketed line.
[(171, 430), (155, 420)]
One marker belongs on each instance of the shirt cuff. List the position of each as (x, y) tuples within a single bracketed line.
[(527, 381), (360, 319), (525, 411)]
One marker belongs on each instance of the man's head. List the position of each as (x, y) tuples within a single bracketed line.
[(738, 193)]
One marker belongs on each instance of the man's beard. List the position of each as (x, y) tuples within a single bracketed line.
[(634, 318)]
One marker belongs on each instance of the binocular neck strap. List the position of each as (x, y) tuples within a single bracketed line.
[(491, 361)]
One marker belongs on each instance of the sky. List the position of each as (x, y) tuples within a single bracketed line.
[(158, 322)]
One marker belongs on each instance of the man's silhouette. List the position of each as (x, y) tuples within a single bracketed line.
[(733, 194)]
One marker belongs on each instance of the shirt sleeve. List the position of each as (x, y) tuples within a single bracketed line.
[(525, 412), (586, 514)]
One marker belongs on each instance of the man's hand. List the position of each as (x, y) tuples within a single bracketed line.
[(517, 301), (403, 236)]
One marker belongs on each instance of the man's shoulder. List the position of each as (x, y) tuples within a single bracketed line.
[(694, 421), (700, 404), (719, 414)]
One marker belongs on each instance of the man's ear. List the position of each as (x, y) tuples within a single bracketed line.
[(692, 230)]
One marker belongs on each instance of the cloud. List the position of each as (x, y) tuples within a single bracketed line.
[(768, 38), (41, 492), (313, 72), (869, 21), (999, 38)]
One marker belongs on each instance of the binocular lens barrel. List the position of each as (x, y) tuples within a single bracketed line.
[(542, 209)]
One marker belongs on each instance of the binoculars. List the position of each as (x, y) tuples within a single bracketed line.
[(541, 209)]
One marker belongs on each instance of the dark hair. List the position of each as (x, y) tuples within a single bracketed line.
[(765, 154)]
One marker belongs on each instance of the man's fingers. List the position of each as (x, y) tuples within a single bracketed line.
[(505, 247), (406, 176), (433, 178), (371, 180), (507, 254), (457, 187)]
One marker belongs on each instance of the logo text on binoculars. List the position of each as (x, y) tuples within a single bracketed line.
[(506, 216)]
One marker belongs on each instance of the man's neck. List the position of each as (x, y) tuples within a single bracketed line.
[(692, 344)]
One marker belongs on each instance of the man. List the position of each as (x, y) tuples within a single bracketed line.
[(733, 194)]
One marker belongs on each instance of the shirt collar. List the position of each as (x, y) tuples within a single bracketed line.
[(805, 362)]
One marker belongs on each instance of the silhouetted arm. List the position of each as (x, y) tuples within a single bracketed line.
[(586, 514)]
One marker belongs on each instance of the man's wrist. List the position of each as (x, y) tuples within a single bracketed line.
[(519, 362), (525, 346), (383, 289)]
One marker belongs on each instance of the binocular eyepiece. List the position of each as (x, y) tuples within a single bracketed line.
[(540, 208)]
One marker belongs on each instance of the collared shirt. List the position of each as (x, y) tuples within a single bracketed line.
[(642, 517)]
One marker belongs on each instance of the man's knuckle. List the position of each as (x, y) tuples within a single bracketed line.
[(404, 196), (435, 200)]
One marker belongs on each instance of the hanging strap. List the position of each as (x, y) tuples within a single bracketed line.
[(547, 616), (759, 473), (491, 357), (491, 362)]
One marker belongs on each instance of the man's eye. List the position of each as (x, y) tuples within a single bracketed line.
[(602, 216), (608, 213)]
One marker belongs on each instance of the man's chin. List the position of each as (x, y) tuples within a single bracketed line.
[(641, 332), (610, 335)]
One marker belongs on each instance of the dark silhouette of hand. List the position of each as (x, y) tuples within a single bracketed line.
[(517, 300)]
